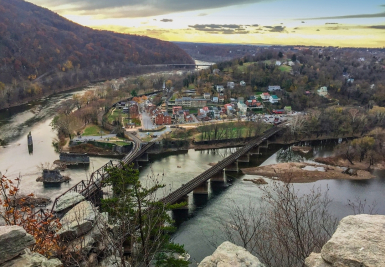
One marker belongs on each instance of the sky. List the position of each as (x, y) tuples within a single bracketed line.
[(353, 23)]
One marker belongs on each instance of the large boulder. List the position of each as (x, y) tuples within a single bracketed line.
[(358, 241), (32, 259), (78, 221), (13, 240), (230, 255), (67, 201), (315, 260)]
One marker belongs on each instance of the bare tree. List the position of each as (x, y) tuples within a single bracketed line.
[(285, 228)]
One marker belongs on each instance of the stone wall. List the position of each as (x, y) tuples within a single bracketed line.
[(359, 241)]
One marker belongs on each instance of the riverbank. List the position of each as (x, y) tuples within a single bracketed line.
[(338, 161), (295, 172), (48, 94)]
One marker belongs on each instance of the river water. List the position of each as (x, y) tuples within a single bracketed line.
[(198, 229)]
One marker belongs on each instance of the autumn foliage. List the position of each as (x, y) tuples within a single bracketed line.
[(41, 225)]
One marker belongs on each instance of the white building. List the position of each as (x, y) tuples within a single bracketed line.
[(265, 96), (230, 85), (206, 95), (242, 83), (219, 88), (274, 99), (273, 88), (323, 91), (278, 63), (242, 107)]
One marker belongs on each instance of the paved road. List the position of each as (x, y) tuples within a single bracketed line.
[(147, 123)]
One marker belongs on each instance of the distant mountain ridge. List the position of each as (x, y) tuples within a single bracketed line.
[(35, 41)]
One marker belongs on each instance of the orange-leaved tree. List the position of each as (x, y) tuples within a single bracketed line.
[(15, 210)]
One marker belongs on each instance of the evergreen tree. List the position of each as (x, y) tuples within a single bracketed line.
[(143, 223)]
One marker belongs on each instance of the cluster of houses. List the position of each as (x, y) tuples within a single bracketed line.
[(158, 116), (129, 107)]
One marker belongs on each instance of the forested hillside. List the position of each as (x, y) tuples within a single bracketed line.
[(35, 41)]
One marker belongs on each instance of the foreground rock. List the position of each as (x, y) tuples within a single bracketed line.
[(358, 241), (295, 172), (32, 259), (67, 201), (13, 241), (230, 255), (78, 221)]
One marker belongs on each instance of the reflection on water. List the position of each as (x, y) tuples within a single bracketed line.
[(198, 227)]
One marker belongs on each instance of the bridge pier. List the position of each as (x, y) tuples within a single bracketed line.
[(264, 144), (143, 158), (201, 189), (254, 151), (233, 167), (219, 177), (244, 158)]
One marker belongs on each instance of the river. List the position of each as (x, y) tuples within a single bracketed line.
[(197, 229)]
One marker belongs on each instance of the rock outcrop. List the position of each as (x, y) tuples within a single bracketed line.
[(78, 221), (230, 255), (86, 233), (67, 201), (32, 259), (13, 241), (358, 241)]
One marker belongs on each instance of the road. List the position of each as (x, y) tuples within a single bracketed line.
[(147, 123)]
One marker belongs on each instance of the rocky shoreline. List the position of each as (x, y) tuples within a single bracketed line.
[(295, 172), (338, 161)]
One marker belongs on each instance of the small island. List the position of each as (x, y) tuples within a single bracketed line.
[(295, 172)]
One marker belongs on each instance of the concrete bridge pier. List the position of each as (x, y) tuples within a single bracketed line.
[(201, 189), (254, 151), (264, 144), (143, 158), (219, 177), (233, 167), (244, 158)]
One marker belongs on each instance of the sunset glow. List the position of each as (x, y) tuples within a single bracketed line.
[(284, 22)]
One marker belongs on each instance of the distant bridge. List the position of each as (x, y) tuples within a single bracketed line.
[(178, 65), (199, 182)]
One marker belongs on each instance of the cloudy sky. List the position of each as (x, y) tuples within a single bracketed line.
[(356, 23)]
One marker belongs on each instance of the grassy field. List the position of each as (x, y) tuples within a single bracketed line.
[(93, 130), (285, 68), (113, 115)]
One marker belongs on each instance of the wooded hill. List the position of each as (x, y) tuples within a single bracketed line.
[(35, 41)]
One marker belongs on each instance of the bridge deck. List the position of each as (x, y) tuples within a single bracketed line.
[(203, 177), (88, 187)]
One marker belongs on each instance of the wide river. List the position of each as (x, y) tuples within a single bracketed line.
[(199, 229)]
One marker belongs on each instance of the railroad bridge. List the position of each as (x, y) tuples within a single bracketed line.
[(92, 189), (198, 185)]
